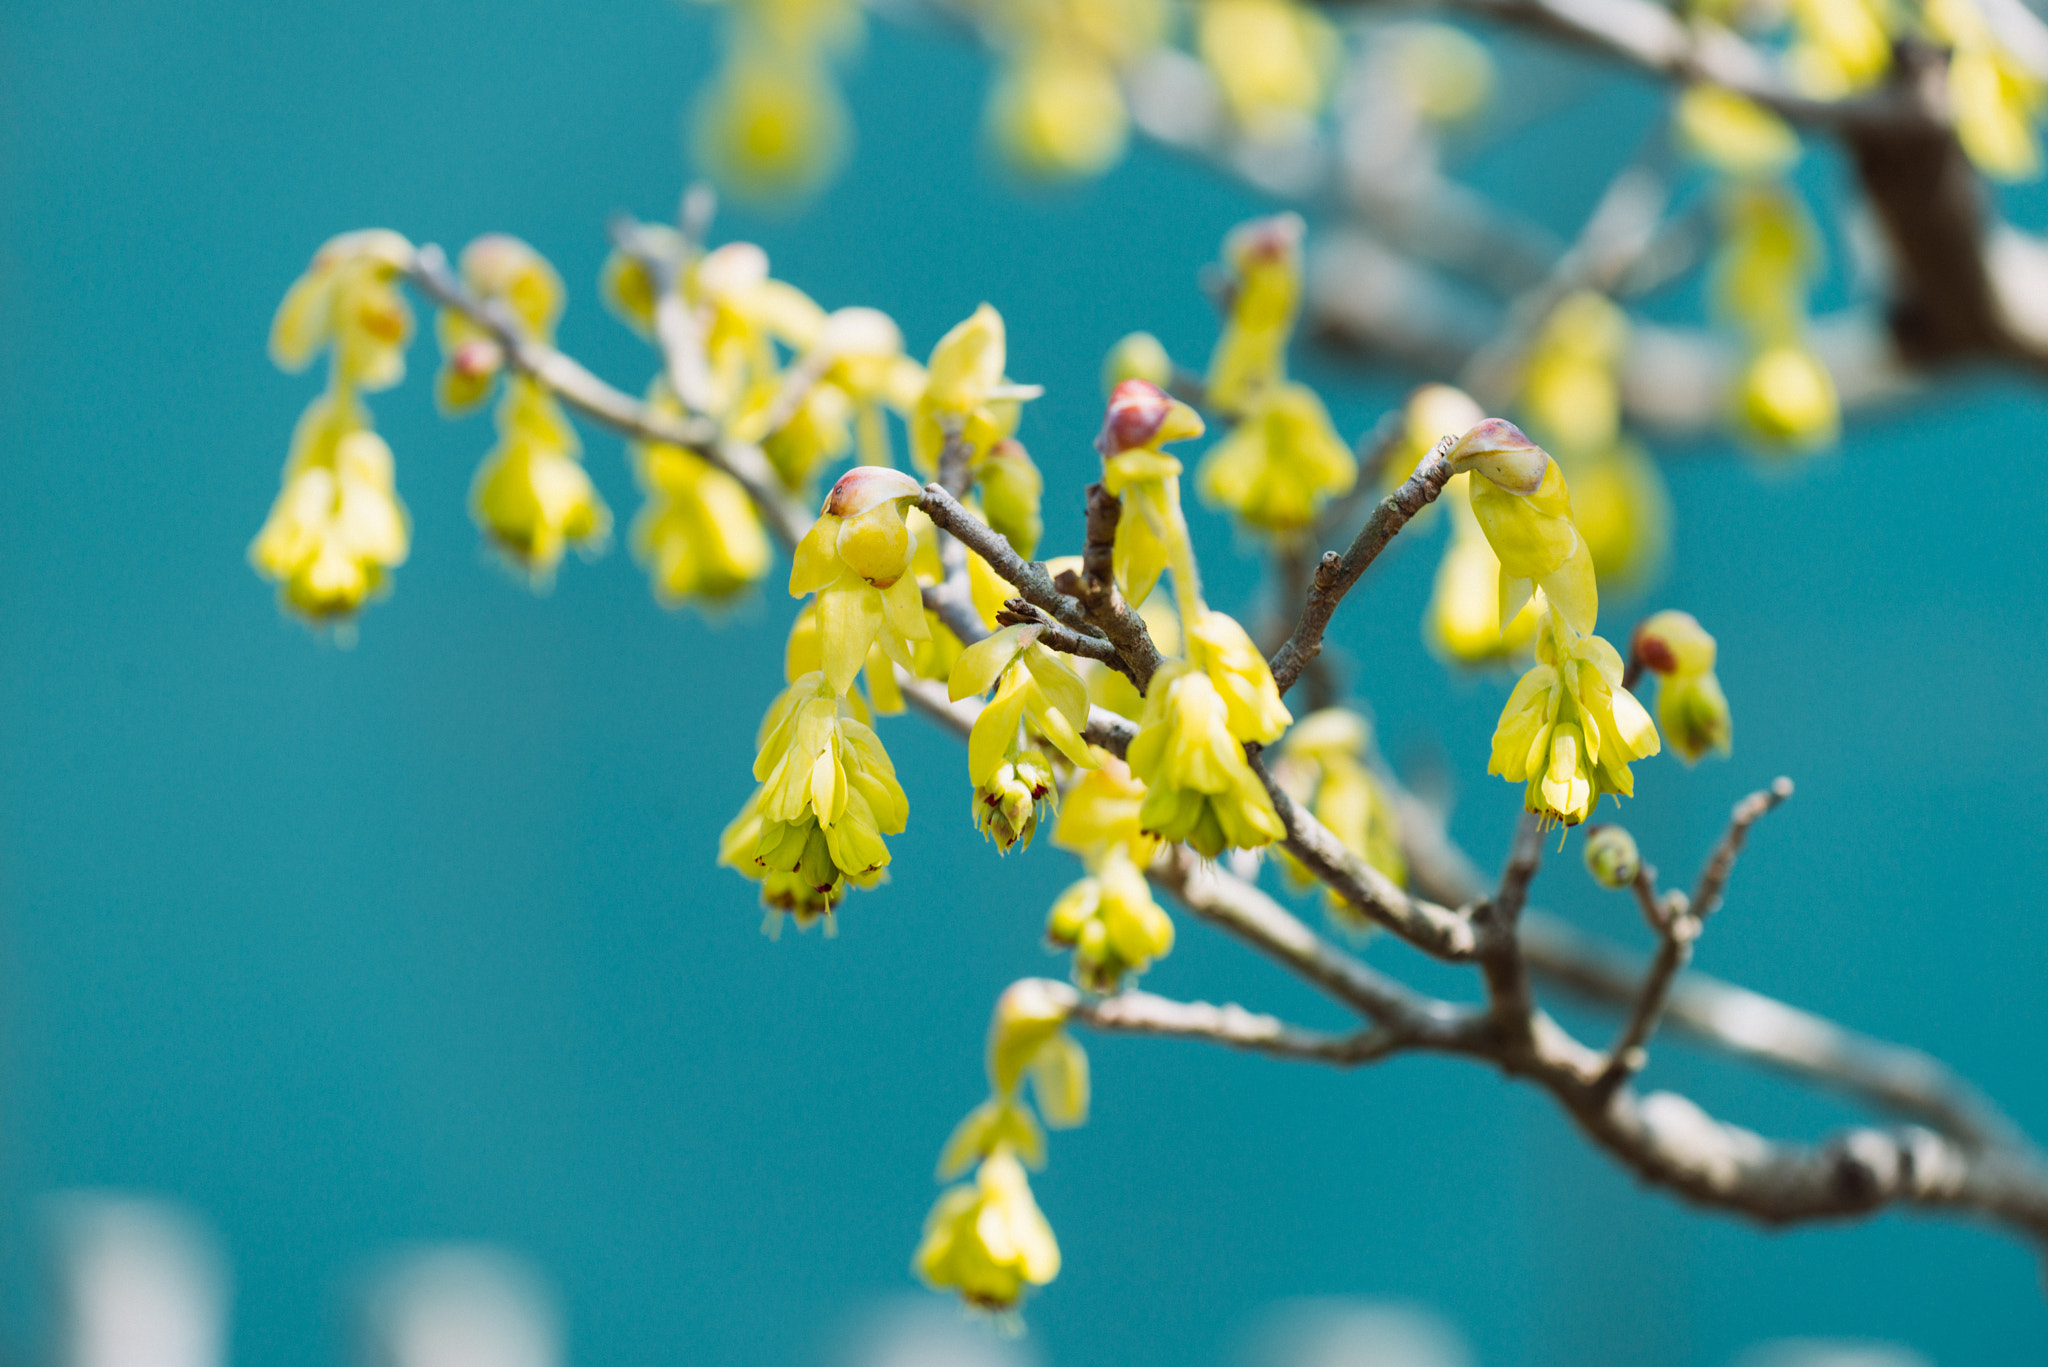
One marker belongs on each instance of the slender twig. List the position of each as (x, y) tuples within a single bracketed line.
[(1141, 1013), (1498, 920), (1336, 574), (1053, 636), (1676, 929), (1437, 931), (1030, 576), (1094, 588), (1706, 894)]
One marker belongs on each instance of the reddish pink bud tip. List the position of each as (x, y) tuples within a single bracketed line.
[(1137, 410), (1652, 650)]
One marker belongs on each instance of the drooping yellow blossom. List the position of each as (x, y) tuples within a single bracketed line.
[(965, 389), (1322, 766), (1611, 856), (856, 558), (1519, 497), (532, 495), (1993, 97), (784, 892), (348, 301), (1099, 814), (337, 526), (1280, 465), (1690, 704), (1787, 397), (1151, 534), (1058, 111), (1734, 134), (1570, 730), (1058, 108), (1111, 923), (828, 795), (1027, 1040), (1032, 685), (1570, 390), (1221, 649), (1272, 59), (1263, 257), (1840, 46), (698, 535), (1463, 618), (1784, 394), (1198, 787), (498, 269), (771, 125), (988, 1241)]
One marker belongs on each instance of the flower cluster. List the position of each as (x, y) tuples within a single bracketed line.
[(531, 495), (828, 795), (337, 528), (987, 1240), (1057, 108), (772, 124), (1282, 460), (966, 397), (1690, 704)]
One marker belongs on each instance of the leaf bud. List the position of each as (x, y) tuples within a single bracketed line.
[(1501, 452)]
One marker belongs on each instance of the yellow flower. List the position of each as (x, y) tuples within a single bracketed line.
[(1446, 75), (1198, 787), (965, 387), (1099, 814), (1841, 45), (1027, 1038), (1734, 134), (1273, 60), (1111, 923), (1570, 730), (1032, 683), (349, 300), (1010, 487), (1058, 111), (1264, 259), (783, 891), (856, 558), (1463, 619), (337, 526), (1690, 704), (531, 495), (828, 795), (1151, 534), (772, 124), (1322, 765), (1221, 649), (1786, 397), (1278, 467), (1009, 803), (1569, 389), (1996, 100), (1766, 257), (1519, 498), (988, 1241)]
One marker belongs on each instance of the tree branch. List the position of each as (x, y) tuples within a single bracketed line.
[(1141, 1013), (1336, 574), (1094, 588), (1706, 894), (1029, 576)]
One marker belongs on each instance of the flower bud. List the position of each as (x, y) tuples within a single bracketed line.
[(1611, 856), (1673, 642), (1788, 398), (1137, 356), (1499, 450), (1141, 414)]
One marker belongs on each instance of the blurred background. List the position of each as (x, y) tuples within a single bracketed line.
[(344, 952)]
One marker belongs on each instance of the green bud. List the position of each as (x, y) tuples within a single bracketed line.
[(1139, 356), (1611, 856)]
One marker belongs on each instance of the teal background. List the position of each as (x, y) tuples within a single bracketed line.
[(422, 939)]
